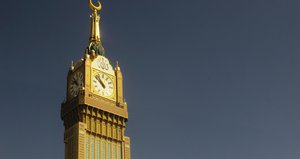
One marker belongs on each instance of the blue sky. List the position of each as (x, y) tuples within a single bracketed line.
[(205, 79)]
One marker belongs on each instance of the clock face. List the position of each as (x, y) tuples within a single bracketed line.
[(76, 83), (103, 84)]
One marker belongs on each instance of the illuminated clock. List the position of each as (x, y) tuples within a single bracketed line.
[(103, 84), (76, 83)]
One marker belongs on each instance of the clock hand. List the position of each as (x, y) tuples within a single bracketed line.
[(103, 85), (75, 82), (100, 81)]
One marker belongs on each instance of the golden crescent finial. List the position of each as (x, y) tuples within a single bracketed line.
[(93, 7)]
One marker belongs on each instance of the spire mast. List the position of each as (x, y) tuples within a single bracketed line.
[(95, 38)]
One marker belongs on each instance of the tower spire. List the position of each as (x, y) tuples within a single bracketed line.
[(95, 44)]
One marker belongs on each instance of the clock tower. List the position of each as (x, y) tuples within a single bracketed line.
[(94, 112)]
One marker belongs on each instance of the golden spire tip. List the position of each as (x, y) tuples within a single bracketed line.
[(95, 8)]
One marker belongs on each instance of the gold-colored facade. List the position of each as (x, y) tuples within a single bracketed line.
[(94, 112)]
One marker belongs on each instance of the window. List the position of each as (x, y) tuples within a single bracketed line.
[(103, 150), (98, 126), (119, 151), (114, 131), (93, 148), (70, 148), (119, 133), (98, 149), (114, 151), (92, 125), (103, 128), (109, 151), (109, 130), (88, 123), (87, 148)]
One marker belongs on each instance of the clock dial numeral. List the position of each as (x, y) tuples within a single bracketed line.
[(103, 84)]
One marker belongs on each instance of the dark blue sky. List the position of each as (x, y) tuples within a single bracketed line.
[(207, 79)]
